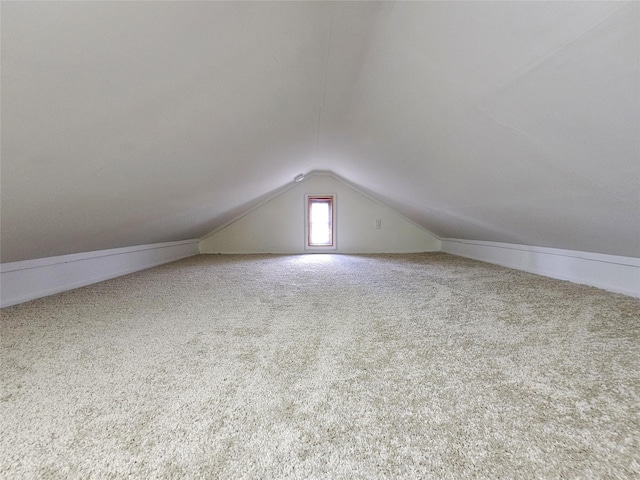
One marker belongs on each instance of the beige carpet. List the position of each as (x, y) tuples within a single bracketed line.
[(325, 366)]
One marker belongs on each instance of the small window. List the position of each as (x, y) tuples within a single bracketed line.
[(320, 221)]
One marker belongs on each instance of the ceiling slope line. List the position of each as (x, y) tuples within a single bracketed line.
[(520, 73), (266, 198), (558, 252), (326, 76), (22, 265), (545, 148)]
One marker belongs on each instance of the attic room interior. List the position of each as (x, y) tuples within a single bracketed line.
[(313, 239)]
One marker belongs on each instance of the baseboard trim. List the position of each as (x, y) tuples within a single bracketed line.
[(609, 272), (31, 279)]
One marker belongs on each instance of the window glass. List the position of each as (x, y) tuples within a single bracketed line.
[(320, 221)]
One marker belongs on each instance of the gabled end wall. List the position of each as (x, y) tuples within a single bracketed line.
[(277, 226)]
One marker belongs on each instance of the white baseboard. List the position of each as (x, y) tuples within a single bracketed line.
[(609, 272), (30, 279)]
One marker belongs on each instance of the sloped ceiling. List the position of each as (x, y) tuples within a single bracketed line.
[(128, 123)]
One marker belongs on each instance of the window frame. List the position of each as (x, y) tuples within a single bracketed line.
[(308, 198)]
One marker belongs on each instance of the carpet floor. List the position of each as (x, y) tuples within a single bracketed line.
[(322, 366)]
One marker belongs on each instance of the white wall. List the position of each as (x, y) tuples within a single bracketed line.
[(278, 225), (30, 279), (609, 272)]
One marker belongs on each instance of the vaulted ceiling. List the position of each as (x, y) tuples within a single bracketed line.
[(128, 123)]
